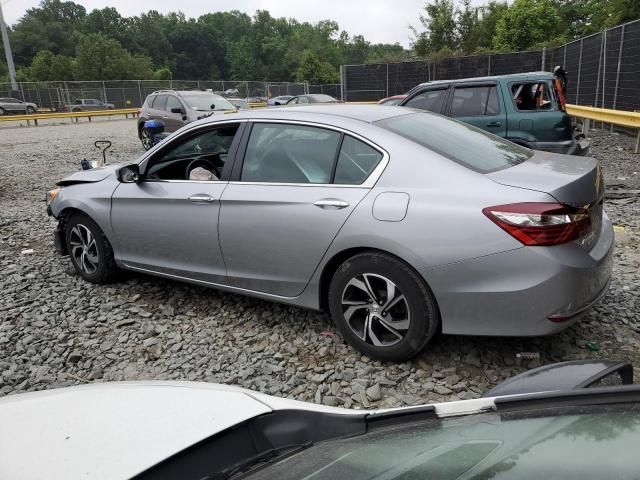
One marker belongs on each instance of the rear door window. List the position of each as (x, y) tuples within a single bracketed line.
[(533, 96), (463, 143), (475, 101), (431, 100), (356, 162)]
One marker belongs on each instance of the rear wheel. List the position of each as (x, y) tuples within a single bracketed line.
[(2, 111), (147, 138), (382, 307), (89, 249)]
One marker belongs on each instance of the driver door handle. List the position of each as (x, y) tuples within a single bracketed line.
[(201, 198), (494, 124), (331, 203)]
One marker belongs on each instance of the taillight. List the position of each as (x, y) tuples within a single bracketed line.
[(541, 223)]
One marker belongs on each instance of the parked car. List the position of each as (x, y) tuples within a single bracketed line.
[(524, 108), (13, 105), (553, 427), (393, 100), (399, 222), (88, 105), (176, 108), (311, 98), (280, 100)]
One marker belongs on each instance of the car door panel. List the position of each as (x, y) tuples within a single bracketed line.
[(274, 236), (169, 227), (479, 104)]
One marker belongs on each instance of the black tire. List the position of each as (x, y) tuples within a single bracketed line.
[(31, 110), (99, 254), (146, 137), (2, 111), (418, 306), (76, 110)]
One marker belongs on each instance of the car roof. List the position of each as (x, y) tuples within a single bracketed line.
[(363, 113), (512, 76)]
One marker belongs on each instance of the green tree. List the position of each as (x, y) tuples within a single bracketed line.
[(315, 71), (466, 28), (528, 23), (102, 58), (485, 30), (48, 66), (439, 22)]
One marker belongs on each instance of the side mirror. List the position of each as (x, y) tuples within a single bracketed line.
[(129, 174), (177, 110)]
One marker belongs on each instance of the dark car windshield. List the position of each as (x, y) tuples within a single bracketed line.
[(205, 102), (588, 444), (461, 142)]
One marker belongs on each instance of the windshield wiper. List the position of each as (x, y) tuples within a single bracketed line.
[(262, 459)]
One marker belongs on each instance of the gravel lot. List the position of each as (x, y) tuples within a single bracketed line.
[(57, 330)]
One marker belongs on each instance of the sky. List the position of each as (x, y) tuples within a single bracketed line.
[(380, 21)]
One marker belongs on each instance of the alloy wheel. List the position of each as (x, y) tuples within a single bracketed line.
[(147, 140), (84, 249), (375, 309)]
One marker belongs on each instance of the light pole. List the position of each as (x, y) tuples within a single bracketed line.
[(7, 51)]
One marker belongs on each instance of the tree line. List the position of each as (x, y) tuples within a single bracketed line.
[(60, 40), (450, 27)]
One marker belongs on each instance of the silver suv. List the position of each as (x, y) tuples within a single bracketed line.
[(177, 108), (13, 105)]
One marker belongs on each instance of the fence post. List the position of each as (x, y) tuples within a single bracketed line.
[(387, 80), (343, 84), (489, 66), (544, 58), (615, 90), (564, 56), (140, 93), (579, 72), (595, 98)]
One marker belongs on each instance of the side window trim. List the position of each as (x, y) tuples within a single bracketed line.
[(231, 156), (369, 182)]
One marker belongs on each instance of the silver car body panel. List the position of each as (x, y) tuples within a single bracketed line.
[(272, 242)]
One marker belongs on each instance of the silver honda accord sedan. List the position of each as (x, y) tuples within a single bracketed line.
[(399, 222)]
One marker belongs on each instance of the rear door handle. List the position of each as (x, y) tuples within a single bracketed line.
[(331, 203), (201, 198), (494, 124)]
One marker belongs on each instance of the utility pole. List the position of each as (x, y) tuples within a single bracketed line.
[(7, 51)]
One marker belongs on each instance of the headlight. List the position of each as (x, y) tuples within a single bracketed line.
[(51, 195)]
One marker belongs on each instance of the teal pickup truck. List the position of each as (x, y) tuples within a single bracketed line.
[(526, 108)]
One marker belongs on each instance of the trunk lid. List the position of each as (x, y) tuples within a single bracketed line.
[(571, 180)]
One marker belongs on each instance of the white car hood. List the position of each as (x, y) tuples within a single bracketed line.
[(117, 430)]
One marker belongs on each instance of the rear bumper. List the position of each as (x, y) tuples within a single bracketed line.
[(529, 291), (576, 146)]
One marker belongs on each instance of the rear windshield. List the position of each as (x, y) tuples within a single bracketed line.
[(465, 144), (206, 102)]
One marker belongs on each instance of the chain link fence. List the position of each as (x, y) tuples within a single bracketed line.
[(55, 96), (603, 70)]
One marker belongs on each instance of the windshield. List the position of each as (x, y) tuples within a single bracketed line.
[(204, 102), (461, 142), (588, 445)]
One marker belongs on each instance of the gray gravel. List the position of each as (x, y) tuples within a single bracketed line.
[(57, 330)]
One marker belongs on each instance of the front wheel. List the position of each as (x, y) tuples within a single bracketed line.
[(382, 307), (31, 110), (90, 251), (2, 111)]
